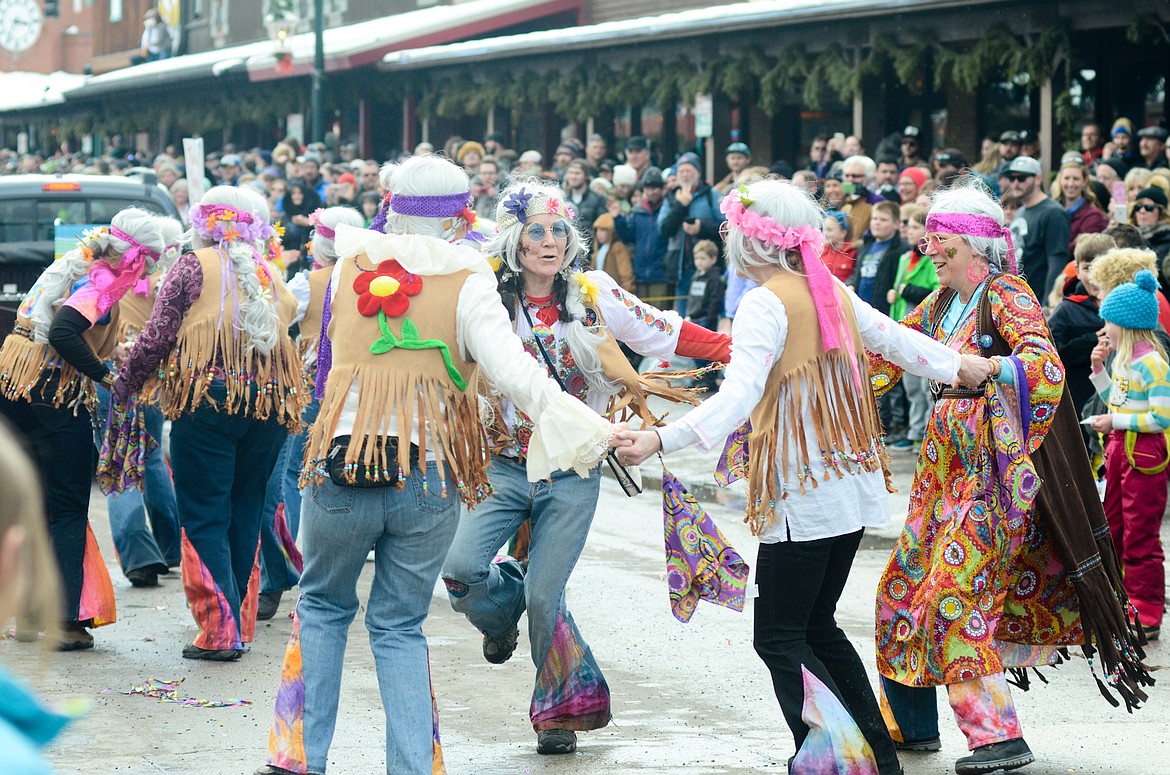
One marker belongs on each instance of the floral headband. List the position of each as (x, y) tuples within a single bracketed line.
[(974, 226), (809, 241), (520, 205), (220, 223), (320, 228)]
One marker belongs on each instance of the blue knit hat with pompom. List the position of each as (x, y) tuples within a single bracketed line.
[(1133, 305)]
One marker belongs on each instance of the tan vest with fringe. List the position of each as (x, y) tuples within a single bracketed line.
[(845, 417), (134, 310), (410, 385), (311, 322), (26, 364), (257, 385)]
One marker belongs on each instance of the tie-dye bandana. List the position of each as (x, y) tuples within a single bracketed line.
[(700, 564)]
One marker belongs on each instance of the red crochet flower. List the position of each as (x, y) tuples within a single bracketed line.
[(386, 288)]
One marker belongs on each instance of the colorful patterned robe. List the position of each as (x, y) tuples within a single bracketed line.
[(969, 591)]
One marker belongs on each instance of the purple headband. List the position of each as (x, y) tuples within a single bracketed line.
[(439, 206), (974, 226)]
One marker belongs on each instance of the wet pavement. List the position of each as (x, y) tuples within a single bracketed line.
[(688, 698)]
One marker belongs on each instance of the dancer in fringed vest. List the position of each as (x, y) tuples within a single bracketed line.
[(1006, 556), (145, 548), (217, 350), (280, 561), (65, 328), (398, 444), (811, 451), (577, 319)]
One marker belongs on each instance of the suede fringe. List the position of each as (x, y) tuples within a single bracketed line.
[(25, 364), (845, 421), (451, 416)]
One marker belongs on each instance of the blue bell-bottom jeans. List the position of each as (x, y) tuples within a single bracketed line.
[(276, 571), (410, 531)]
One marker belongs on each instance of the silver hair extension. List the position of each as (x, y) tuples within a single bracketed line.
[(257, 308)]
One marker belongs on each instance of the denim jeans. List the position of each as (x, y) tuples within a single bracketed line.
[(570, 693), (410, 531), (221, 463), (795, 626), (276, 571), (138, 545), (61, 443)]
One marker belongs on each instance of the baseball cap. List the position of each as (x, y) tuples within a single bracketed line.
[(347, 177), (1023, 165), (652, 178), (1010, 136), (950, 158), (231, 160), (911, 131), (739, 148), (638, 142)]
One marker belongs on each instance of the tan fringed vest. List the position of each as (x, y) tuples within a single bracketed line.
[(208, 337), (402, 375), (845, 417), (311, 322), (134, 310), (25, 364)]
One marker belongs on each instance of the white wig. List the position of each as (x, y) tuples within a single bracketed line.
[(52, 287), (324, 251), (973, 198), (866, 163), (257, 308), (790, 206), (506, 242), (428, 175)]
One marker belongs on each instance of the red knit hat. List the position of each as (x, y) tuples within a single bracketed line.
[(917, 174)]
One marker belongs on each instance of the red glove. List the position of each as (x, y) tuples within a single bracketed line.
[(694, 341)]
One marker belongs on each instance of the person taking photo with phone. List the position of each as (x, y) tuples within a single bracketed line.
[(689, 214)]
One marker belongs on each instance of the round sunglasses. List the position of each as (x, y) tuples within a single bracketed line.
[(929, 240), (535, 231)]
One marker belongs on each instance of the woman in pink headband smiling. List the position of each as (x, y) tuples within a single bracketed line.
[(813, 454), (977, 583)]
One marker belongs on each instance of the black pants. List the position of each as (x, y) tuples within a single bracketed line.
[(61, 444), (800, 583), (894, 410)]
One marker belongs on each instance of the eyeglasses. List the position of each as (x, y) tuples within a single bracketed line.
[(1146, 207), (535, 231), (1017, 178), (724, 230), (929, 240)]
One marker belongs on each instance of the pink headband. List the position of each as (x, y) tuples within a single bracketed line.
[(320, 228), (810, 242), (974, 226)]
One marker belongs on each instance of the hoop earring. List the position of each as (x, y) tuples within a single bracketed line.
[(977, 271)]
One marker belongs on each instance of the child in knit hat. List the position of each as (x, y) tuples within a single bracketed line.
[(1137, 394)]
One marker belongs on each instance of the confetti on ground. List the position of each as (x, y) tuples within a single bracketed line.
[(166, 691), (10, 633)]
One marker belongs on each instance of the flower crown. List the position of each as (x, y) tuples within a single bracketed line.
[(763, 228), (520, 205), (220, 223)]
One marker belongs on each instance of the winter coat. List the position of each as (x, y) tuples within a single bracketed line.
[(886, 272), (640, 229), (919, 282), (704, 206), (618, 263), (591, 206), (840, 262), (1088, 219), (1074, 325)]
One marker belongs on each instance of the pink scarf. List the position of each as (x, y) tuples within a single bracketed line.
[(106, 284)]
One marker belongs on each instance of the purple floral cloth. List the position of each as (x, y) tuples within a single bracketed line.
[(324, 346), (180, 289), (700, 564), (125, 446)]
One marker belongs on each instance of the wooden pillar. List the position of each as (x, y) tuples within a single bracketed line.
[(409, 129), (550, 134), (1047, 127), (365, 144)]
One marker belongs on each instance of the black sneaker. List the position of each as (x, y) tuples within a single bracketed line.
[(1008, 755), (925, 744), (499, 650), (267, 604), (191, 651), (143, 577), (556, 741)]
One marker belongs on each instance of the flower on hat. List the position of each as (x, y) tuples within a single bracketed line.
[(386, 289), (517, 205)]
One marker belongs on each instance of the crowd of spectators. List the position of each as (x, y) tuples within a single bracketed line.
[(649, 215)]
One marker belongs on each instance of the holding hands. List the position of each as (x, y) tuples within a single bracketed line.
[(635, 446), (974, 370)]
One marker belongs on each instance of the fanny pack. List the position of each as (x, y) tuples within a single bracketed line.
[(357, 474)]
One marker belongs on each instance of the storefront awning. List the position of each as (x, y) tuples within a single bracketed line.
[(352, 45), (26, 91), (715, 19)]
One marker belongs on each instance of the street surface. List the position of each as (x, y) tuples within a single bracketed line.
[(688, 698)]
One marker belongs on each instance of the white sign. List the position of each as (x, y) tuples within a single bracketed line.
[(294, 126), (193, 158), (704, 113)]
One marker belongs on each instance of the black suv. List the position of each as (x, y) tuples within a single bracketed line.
[(32, 206)]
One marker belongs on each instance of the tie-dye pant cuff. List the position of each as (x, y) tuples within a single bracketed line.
[(219, 629), (570, 692), (985, 710)]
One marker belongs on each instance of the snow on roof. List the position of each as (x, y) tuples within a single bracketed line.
[(22, 91)]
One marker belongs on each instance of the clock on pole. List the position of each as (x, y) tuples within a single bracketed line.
[(20, 24)]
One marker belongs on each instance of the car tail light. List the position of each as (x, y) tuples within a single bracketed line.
[(61, 186)]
